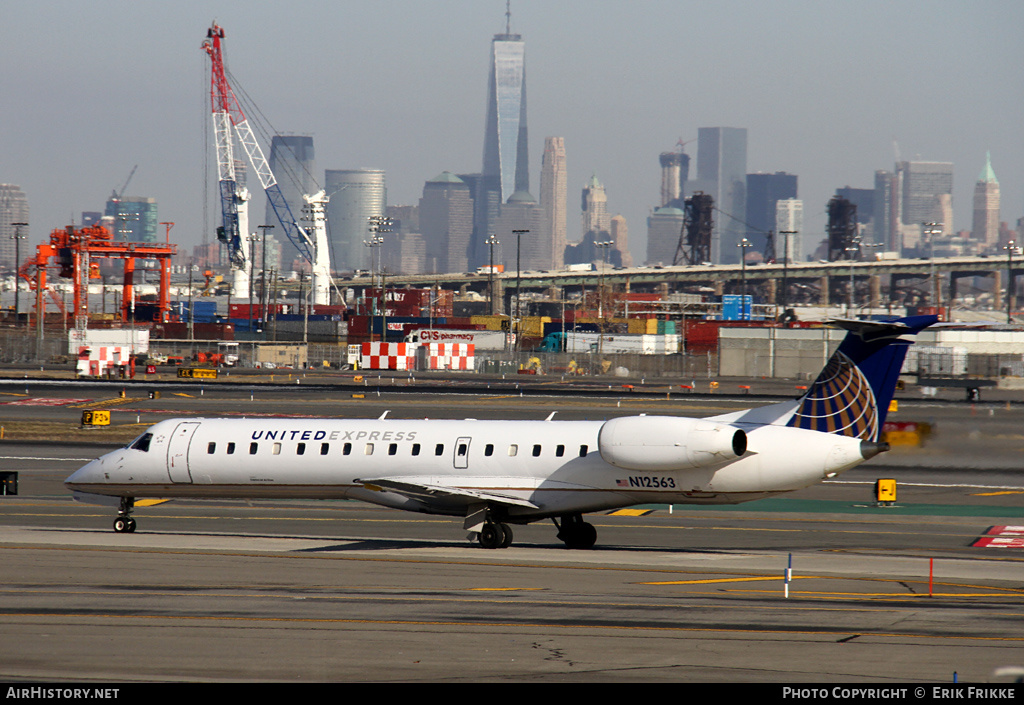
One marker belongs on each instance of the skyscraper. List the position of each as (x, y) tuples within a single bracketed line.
[(764, 191), (13, 209), (594, 216), (505, 141), (506, 165), (927, 197), (722, 174), (663, 231), (553, 193), (134, 217), (675, 170), (446, 223), (789, 226), (293, 162), (356, 196), (985, 224)]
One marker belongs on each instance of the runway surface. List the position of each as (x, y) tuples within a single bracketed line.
[(313, 591)]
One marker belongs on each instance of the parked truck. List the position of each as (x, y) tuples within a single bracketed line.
[(482, 339), (581, 342)]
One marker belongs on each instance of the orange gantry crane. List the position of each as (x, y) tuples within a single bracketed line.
[(77, 250)]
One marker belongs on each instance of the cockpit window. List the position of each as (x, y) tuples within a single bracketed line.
[(142, 442)]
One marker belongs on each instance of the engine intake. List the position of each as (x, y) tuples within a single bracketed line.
[(659, 443)]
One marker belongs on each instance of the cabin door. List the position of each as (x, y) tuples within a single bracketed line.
[(177, 451), (462, 453)]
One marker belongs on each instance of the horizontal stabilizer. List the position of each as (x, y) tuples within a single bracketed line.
[(427, 493)]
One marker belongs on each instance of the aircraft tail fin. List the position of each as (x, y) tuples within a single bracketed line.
[(851, 395)]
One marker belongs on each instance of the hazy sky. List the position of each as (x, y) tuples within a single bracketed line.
[(825, 89)]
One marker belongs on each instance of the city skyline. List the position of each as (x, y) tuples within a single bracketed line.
[(832, 107)]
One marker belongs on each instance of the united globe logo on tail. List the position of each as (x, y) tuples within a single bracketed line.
[(840, 401)]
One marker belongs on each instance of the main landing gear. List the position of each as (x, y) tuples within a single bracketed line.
[(124, 524), (575, 532), (495, 535)]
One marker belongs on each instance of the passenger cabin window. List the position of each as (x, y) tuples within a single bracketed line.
[(277, 449), (324, 447), (439, 449), (142, 442), (369, 449), (489, 449), (346, 449), (559, 451), (463, 449), (231, 448), (536, 450), (392, 448), (415, 448), (513, 450), (253, 447), (583, 451), (211, 448), (300, 449)]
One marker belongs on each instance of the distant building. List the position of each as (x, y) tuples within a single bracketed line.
[(13, 209), (521, 212), (722, 174), (764, 191), (553, 194), (293, 162), (506, 164), (446, 223), (406, 252), (134, 218), (356, 196), (789, 230), (594, 207), (664, 228), (675, 170), (926, 196), (620, 236), (985, 223)]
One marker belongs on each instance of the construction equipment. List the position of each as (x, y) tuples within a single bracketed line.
[(227, 113), (76, 250)]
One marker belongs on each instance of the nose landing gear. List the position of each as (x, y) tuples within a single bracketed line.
[(125, 524)]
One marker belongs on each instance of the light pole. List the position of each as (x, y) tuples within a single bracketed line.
[(1010, 247), (603, 246), (931, 230), (854, 247), (785, 266), (379, 225), (743, 244), (518, 325), (17, 237), (253, 239), (492, 240), (264, 299)]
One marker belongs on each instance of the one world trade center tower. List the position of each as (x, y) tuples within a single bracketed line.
[(506, 167)]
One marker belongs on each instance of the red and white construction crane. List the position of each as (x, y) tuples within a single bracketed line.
[(227, 113)]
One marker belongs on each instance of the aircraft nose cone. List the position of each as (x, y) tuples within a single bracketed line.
[(90, 473)]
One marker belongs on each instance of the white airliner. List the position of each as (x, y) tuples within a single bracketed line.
[(499, 473)]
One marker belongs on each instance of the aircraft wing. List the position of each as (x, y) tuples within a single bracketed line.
[(426, 492)]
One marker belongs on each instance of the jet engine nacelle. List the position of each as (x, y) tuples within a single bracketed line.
[(659, 443)]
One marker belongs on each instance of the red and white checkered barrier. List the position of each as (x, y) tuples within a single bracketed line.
[(95, 361), (450, 356), (388, 356)]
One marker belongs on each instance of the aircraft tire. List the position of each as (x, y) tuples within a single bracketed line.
[(124, 525), (491, 536), (583, 536), (507, 536)]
